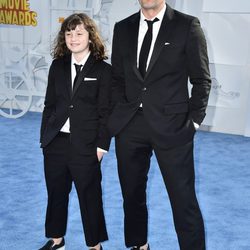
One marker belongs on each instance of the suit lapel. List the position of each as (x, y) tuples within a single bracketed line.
[(87, 66), (166, 28), (133, 42), (67, 71)]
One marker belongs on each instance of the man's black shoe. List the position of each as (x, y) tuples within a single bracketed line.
[(92, 248), (138, 248), (50, 245)]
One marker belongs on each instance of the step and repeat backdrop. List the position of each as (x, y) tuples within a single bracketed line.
[(28, 28)]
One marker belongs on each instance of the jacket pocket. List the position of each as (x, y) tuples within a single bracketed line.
[(90, 125), (52, 118), (176, 108)]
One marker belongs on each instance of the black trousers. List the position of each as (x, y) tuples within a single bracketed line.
[(134, 148), (63, 165)]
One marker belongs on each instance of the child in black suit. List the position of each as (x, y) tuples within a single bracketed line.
[(73, 130)]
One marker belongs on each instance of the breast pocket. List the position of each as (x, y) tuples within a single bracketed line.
[(172, 56), (89, 89)]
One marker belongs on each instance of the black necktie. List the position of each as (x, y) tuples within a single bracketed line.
[(143, 57), (78, 70)]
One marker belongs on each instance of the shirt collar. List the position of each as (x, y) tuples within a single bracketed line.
[(159, 15), (82, 62)]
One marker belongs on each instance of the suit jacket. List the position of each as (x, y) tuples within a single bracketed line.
[(179, 54), (87, 106)]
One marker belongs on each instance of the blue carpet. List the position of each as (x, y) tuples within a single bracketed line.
[(222, 183)]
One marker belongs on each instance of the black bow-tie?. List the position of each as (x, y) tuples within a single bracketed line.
[(145, 48)]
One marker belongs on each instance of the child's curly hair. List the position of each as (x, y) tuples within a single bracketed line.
[(96, 45)]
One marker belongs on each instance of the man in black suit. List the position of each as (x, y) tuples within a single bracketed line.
[(73, 130), (154, 53)]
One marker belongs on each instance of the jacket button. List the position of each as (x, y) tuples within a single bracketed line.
[(144, 89), (71, 106)]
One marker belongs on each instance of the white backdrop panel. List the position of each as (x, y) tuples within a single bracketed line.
[(231, 6), (229, 86), (228, 38)]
